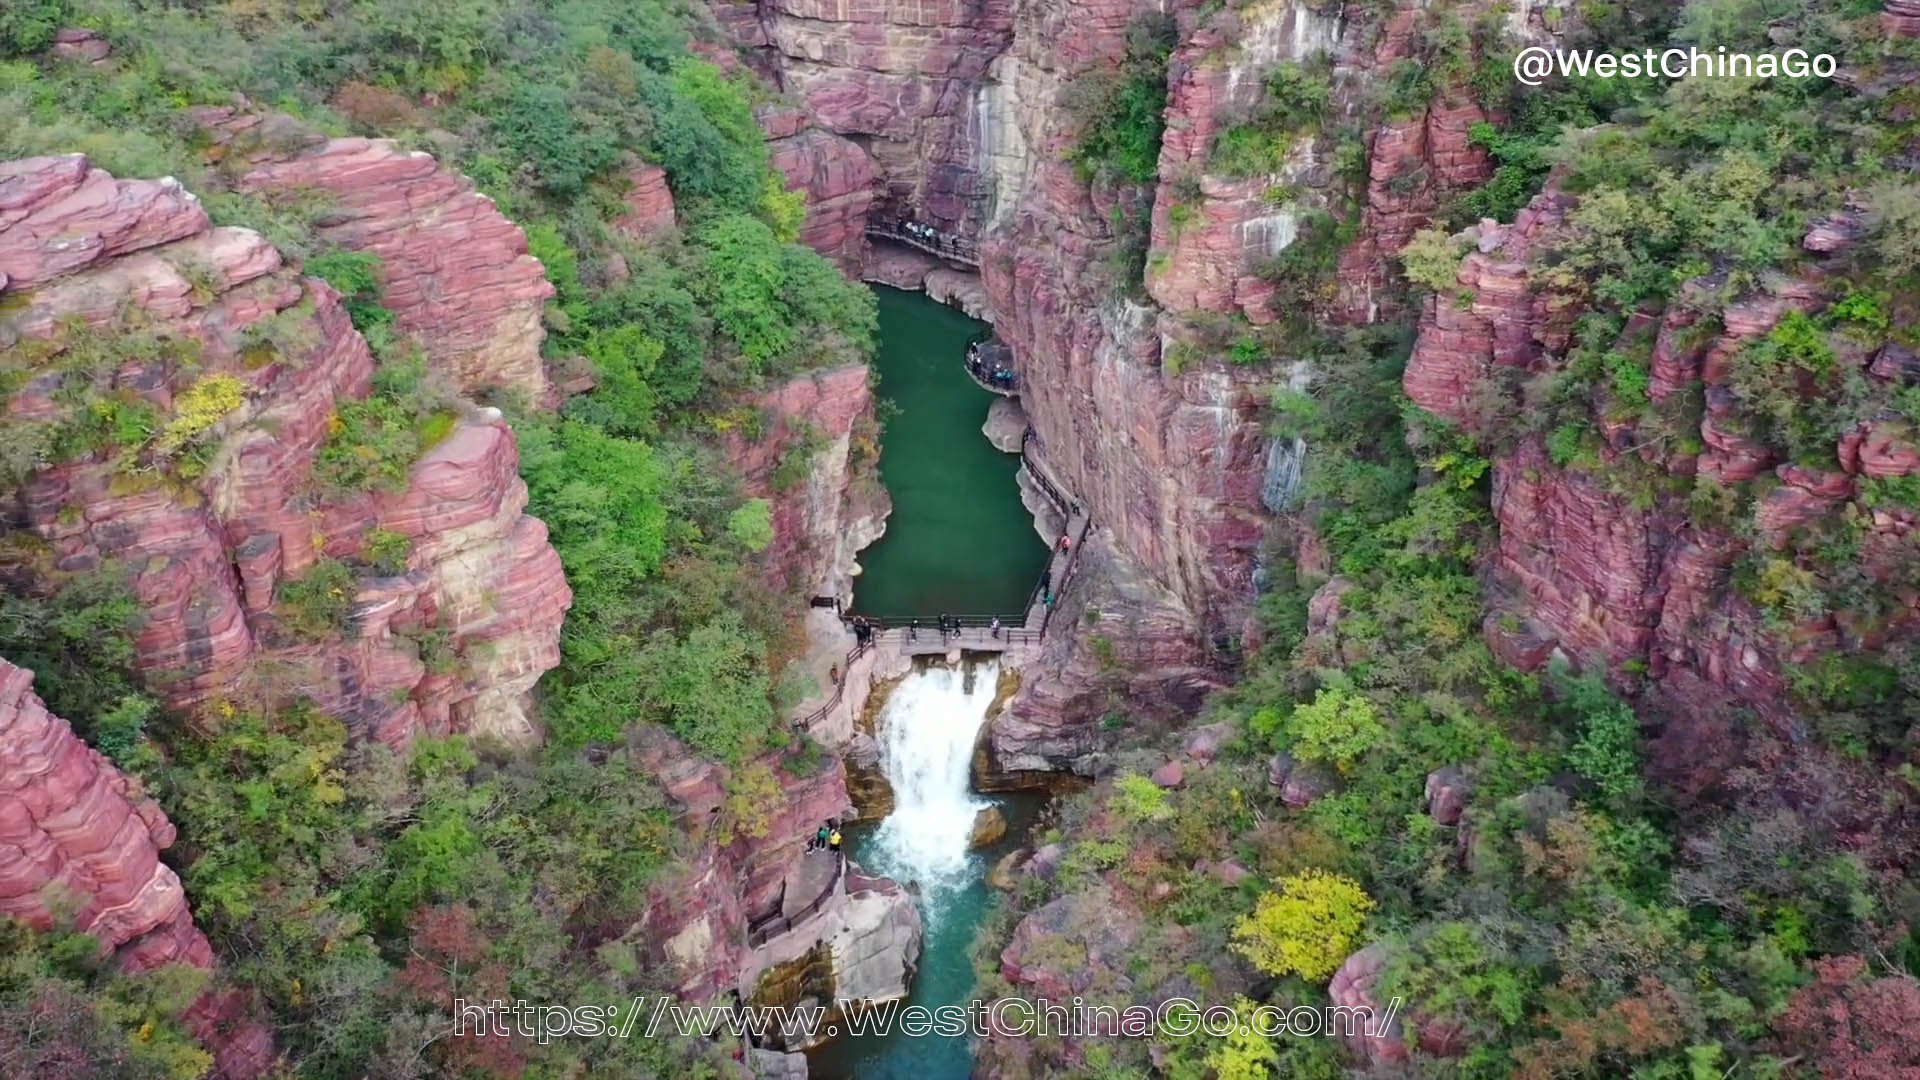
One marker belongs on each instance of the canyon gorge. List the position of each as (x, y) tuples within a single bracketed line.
[(1430, 559)]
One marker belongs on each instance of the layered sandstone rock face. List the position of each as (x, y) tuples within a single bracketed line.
[(824, 516), (1412, 164), (455, 271), (865, 931), (1581, 568), (208, 555), (1045, 728), (902, 79), (80, 847), (73, 827), (1209, 254), (834, 174), (649, 202)]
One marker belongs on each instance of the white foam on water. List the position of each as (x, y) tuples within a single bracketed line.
[(927, 732)]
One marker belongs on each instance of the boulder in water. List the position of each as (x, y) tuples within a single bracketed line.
[(867, 783), (876, 946), (989, 825)]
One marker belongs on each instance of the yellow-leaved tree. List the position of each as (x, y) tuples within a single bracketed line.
[(1307, 927)]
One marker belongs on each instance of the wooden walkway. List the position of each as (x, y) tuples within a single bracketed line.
[(951, 248)]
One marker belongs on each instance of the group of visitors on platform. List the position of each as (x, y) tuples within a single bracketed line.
[(863, 629), (997, 375), (825, 838), (927, 234)]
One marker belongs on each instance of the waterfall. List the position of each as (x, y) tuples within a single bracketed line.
[(1285, 459), (1286, 455), (927, 732)]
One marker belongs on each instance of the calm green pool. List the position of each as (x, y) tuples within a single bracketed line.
[(958, 540)]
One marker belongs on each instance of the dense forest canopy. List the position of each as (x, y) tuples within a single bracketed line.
[(347, 891)]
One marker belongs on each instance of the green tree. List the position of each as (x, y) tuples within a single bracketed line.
[(1307, 928), (752, 525), (28, 26), (1336, 727)]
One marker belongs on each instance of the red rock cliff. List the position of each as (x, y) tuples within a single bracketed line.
[(75, 830), (208, 554), (455, 272), (1617, 582), (824, 517)]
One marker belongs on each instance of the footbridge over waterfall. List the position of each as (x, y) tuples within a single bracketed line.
[(1018, 635)]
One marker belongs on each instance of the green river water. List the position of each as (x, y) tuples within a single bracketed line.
[(946, 967), (958, 542)]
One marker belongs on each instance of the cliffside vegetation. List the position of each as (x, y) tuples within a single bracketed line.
[(1564, 874), (350, 893)]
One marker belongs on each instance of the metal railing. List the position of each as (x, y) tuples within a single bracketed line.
[(988, 358), (859, 649), (1039, 474), (945, 246), (1014, 629), (1010, 388), (765, 929)]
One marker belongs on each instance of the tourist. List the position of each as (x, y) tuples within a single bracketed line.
[(833, 841), (913, 629), (1065, 543), (1046, 581), (944, 630), (995, 628), (833, 674), (819, 837)]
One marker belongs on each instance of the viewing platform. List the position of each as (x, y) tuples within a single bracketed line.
[(940, 245), (989, 363)]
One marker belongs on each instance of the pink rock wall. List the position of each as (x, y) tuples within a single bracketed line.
[(836, 176), (649, 202), (698, 922), (820, 523), (903, 78), (74, 827), (80, 847), (207, 556), (455, 271), (1580, 569)]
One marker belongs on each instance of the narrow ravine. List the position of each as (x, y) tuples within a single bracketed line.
[(927, 730), (959, 542)]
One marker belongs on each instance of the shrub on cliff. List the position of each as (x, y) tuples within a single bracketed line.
[(1119, 114), (1307, 927), (373, 442), (79, 643), (69, 1013), (315, 605)]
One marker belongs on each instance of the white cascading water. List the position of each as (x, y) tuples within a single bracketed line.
[(927, 731)]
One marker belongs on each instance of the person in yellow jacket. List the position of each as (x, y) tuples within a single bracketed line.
[(833, 841)]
